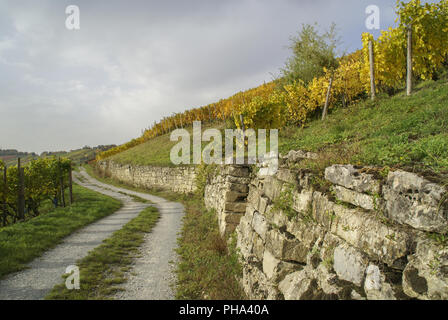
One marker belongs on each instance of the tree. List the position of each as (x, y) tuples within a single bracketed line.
[(312, 54)]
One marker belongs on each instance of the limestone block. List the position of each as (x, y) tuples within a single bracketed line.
[(270, 264), (287, 175), (375, 285), (275, 217), (284, 248), (351, 178), (350, 264), (253, 197), (258, 247), (296, 286), (272, 188), (386, 243), (306, 233), (262, 204), (362, 200), (415, 201), (260, 225), (426, 275), (236, 171), (274, 269), (302, 201)]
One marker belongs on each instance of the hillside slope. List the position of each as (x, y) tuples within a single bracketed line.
[(392, 131)]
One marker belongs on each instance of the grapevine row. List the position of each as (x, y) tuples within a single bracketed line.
[(24, 189)]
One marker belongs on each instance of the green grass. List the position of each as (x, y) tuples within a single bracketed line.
[(22, 242), (104, 268), (399, 131), (208, 266), (396, 131), (154, 152)]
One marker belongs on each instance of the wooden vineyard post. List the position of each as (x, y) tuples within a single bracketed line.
[(62, 183), (21, 195), (70, 184), (5, 185), (242, 123), (372, 70), (243, 128), (327, 100), (409, 63)]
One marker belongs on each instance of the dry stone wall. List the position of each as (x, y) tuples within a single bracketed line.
[(355, 233), (226, 191), (176, 179), (361, 233)]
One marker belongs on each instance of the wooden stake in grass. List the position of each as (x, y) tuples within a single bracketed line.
[(327, 99), (62, 183), (5, 185), (409, 63), (70, 184), (21, 194), (372, 70)]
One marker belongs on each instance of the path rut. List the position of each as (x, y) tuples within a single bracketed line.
[(152, 274)]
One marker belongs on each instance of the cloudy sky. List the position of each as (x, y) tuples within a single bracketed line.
[(133, 62)]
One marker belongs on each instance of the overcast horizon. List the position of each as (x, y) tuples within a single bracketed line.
[(131, 64)]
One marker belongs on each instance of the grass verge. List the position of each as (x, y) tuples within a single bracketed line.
[(208, 266), (22, 242), (104, 268)]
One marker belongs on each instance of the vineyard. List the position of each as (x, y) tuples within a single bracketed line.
[(24, 190), (276, 104)]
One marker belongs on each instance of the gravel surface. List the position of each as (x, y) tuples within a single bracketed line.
[(152, 275)]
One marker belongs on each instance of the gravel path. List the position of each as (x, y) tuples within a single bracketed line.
[(152, 274)]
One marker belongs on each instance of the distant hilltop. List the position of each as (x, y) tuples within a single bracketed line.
[(13, 152), (79, 156)]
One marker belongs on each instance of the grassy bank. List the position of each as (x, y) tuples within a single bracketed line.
[(400, 131), (22, 242), (208, 266), (104, 268), (156, 152)]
